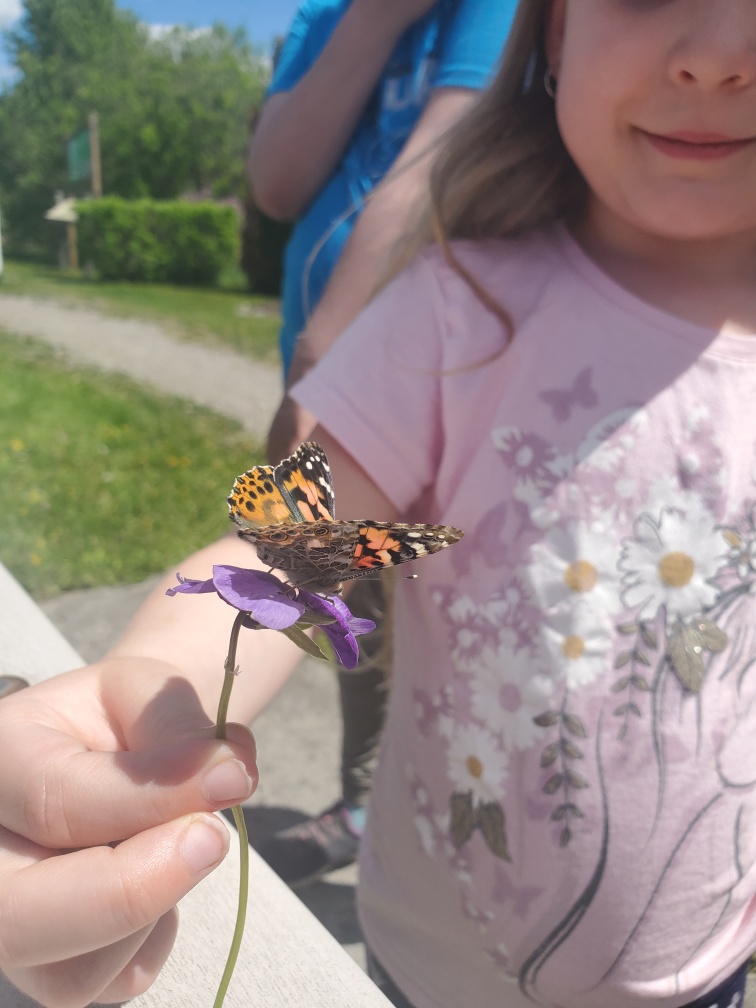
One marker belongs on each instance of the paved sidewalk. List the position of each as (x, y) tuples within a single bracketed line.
[(217, 377)]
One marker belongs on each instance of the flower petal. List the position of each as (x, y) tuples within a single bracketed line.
[(188, 586), (360, 626), (355, 623), (274, 615), (344, 644), (342, 631), (326, 606), (258, 593)]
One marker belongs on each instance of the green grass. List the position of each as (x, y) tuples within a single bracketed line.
[(227, 315), (102, 483)]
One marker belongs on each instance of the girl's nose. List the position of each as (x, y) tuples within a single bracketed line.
[(717, 47)]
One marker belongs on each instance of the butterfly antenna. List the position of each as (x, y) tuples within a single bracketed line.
[(385, 577)]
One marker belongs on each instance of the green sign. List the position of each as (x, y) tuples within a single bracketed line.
[(79, 157)]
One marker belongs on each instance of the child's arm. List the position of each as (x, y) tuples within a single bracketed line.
[(302, 133), (366, 256), (122, 751)]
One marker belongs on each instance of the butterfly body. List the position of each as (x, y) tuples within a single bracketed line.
[(287, 513)]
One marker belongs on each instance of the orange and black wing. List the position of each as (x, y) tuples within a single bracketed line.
[(299, 489)]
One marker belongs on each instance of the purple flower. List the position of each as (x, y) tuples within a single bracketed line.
[(343, 630), (274, 605)]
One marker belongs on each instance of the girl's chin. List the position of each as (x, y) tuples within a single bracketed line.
[(685, 220)]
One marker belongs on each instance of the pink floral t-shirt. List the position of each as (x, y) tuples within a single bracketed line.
[(565, 808)]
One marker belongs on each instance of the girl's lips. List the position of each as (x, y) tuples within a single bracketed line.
[(697, 146)]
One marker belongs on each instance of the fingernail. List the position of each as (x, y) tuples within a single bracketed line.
[(227, 782), (204, 844)]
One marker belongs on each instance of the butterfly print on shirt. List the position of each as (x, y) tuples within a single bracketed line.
[(287, 513), (563, 401)]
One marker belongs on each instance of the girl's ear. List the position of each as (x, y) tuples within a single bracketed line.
[(555, 34)]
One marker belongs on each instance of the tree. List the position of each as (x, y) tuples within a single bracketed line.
[(174, 110)]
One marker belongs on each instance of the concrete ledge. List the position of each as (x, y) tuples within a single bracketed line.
[(287, 957)]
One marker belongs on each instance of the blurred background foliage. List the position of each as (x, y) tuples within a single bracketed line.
[(174, 110)]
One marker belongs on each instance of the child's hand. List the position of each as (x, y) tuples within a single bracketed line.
[(120, 751)]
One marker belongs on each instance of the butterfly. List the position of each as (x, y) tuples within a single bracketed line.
[(287, 513), (562, 401)]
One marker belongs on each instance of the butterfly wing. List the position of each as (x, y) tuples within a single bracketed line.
[(299, 489), (383, 544), (256, 500), (287, 513), (583, 389), (562, 401), (559, 401), (306, 485)]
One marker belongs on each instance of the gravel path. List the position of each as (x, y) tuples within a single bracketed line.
[(223, 380)]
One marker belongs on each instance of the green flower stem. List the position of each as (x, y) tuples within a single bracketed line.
[(238, 812)]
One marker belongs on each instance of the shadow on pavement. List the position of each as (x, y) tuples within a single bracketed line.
[(331, 900)]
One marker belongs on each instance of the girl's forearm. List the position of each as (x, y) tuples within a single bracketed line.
[(302, 133), (191, 632)]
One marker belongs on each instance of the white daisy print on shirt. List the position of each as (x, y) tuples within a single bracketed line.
[(579, 641), (478, 769), (477, 764), (573, 563), (508, 692), (670, 562), (471, 627)]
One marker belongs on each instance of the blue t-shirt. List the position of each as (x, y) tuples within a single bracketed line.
[(457, 44)]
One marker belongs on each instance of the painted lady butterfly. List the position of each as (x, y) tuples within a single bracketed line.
[(287, 513)]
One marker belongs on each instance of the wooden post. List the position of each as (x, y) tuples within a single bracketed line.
[(94, 154), (73, 245)]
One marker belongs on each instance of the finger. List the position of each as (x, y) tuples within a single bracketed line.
[(141, 971), (68, 796), (147, 700), (117, 973), (74, 903)]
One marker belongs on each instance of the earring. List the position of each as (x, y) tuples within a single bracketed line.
[(549, 83)]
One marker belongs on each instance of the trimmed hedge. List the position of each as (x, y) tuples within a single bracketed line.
[(158, 241)]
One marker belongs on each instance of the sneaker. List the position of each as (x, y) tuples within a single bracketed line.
[(314, 847)]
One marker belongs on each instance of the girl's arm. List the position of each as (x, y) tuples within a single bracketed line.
[(303, 132), (123, 751), (366, 256)]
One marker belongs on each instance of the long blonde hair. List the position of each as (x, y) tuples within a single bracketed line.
[(503, 169)]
